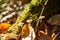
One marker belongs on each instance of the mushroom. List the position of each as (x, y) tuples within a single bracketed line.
[(54, 20), (4, 5), (8, 8), (4, 13)]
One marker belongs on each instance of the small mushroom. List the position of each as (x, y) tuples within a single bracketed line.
[(54, 20), (4, 13), (8, 8), (4, 5), (21, 7), (14, 5)]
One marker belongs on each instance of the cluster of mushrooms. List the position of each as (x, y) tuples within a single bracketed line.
[(10, 11)]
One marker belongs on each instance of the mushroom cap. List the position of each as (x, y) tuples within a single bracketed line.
[(54, 20)]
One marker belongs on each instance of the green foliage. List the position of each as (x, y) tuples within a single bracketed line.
[(22, 16), (32, 17), (34, 2)]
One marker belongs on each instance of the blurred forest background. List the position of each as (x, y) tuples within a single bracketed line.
[(52, 8)]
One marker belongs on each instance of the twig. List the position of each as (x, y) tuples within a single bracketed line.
[(41, 13), (40, 16)]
